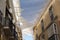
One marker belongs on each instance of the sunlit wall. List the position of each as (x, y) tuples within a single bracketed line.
[(17, 8)]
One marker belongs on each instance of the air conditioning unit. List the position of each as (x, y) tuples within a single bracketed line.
[(52, 30)]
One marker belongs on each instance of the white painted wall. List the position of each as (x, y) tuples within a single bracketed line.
[(3, 6)]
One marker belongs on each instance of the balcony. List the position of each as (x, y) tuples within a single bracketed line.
[(54, 37), (15, 35), (1, 18), (12, 38), (53, 32), (9, 28)]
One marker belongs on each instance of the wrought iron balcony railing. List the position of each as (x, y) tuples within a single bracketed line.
[(52, 30)]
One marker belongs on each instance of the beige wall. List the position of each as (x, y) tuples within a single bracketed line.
[(56, 6), (34, 32), (47, 20)]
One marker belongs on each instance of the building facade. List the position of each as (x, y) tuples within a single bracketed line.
[(19, 31), (48, 28), (8, 28)]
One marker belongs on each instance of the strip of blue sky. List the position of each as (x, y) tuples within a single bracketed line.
[(26, 37), (31, 8)]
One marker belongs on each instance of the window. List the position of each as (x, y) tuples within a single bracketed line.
[(8, 14), (42, 25), (53, 37), (53, 32), (1, 16), (37, 38), (43, 36), (55, 28), (51, 13)]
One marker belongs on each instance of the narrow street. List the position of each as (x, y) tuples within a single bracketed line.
[(29, 19)]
